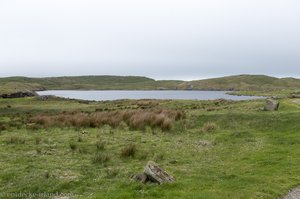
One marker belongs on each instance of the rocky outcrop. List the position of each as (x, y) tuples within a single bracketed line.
[(45, 97), (271, 105), (295, 95), (154, 173), (18, 94)]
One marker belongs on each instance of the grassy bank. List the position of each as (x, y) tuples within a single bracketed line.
[(220, 149)]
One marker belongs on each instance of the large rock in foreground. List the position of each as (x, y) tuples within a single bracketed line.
[(271, 105), (157, 174)]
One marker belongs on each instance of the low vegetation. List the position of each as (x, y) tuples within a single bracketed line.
[(100, 158), (100, 145), (208, 127), (73, 146), (135, 119), (214, 149), (129, 150), (15, 140)]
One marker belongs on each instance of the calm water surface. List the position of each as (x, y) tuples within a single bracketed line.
[(101, 95)]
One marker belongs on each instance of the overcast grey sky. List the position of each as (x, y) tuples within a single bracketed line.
[(172, 39)]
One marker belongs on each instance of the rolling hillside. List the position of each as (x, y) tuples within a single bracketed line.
[(15, 84), (246, 83), (234, 83)]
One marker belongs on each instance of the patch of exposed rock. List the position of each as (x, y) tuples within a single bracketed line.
[(18, 94)]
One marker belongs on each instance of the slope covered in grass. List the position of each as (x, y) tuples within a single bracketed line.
[(246, 82), (86, 82)]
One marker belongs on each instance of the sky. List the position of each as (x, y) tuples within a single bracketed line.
[(162, 39)]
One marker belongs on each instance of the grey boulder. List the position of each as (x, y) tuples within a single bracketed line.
[(271, 105), (153, 173), (156, 174)]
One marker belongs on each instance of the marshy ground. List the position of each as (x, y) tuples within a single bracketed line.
[(214, 149)]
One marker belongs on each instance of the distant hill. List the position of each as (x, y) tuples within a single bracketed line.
[(246, 82), (13, 84), (234, 83)]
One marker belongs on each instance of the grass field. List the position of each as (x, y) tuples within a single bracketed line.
[(219, 149)]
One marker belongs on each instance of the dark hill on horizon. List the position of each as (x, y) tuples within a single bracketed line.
[(233, 83)]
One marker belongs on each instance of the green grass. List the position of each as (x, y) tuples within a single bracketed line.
[(248, 154)]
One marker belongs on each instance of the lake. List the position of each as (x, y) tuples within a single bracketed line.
[(102, 95)]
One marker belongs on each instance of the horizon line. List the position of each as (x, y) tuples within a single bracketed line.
[(158, 78)]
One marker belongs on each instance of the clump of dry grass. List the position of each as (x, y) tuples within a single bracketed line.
[(208, 127), (128, 151), (15, 140), (166, 124), (79, 139), (47, 174), (38, 140), (158, 157), (2, 127), (73, 146), (100, 158), (38, 150), (33, 126), (136, 119), (100, 145)]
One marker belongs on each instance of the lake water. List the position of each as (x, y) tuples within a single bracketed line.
[(102, 95)]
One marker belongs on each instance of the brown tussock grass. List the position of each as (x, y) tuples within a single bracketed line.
[(129, 151), (135, 119), (208, 127)]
